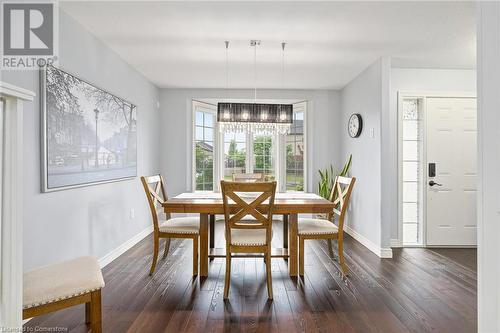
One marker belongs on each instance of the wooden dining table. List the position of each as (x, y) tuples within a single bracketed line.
[(209, 204)]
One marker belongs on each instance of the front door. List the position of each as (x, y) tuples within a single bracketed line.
[(451, 182)]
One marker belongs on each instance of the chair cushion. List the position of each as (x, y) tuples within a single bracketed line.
[(248, 237), (181, 225), (61, 281), (310, 226)]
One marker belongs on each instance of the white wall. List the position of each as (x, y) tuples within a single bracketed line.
[(413, 80), (176, 126), (366, 94), (488, 55), (91, 220)]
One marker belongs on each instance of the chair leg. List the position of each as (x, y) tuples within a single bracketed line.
[(87, 313), (227, 278), (330, 248), (95, 312), (195, 255), (269, 277), (341, 256), (155, 254), (301, 256), (167, 247)]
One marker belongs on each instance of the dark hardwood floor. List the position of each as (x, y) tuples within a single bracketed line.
[(418, 290)]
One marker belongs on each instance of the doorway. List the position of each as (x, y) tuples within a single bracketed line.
[(437, 169)]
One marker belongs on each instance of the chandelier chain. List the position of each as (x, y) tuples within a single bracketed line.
[(255, 72), (283, 65), (227, 64)]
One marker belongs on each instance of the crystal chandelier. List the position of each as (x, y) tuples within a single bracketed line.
[(254, 117)]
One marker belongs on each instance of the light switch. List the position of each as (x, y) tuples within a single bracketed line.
[(372, 132)]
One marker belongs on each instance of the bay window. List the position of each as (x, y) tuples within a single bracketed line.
[(218, 155)]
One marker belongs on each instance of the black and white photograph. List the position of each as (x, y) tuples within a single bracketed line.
[(90, 134)]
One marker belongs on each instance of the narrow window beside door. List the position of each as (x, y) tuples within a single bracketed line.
[(412, 171)]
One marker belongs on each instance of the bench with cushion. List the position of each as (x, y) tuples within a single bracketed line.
[(55, 287)]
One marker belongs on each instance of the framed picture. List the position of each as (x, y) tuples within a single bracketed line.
[(88, 135)]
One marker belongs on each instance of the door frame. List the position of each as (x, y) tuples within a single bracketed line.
[(11, 204), (423, 95)]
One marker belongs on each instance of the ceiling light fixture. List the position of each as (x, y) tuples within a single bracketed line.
[(255, 117)]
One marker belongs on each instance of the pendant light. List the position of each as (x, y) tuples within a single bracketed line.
[(255, 117)]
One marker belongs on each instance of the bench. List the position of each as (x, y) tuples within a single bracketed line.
[(55, 287)]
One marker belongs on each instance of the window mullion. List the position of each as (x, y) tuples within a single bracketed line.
[(249, 155), (278, 168), (218, 157)]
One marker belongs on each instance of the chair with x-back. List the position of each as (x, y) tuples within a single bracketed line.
[(168, 227), (245, 235), (313, 228)]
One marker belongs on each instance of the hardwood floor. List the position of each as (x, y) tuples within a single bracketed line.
[(418, 290)]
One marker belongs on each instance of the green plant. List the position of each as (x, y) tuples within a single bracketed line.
[(327, 178)]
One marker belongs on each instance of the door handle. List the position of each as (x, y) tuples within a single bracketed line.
[(433, 183)]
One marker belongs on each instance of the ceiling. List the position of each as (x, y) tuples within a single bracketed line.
[(181, 44)]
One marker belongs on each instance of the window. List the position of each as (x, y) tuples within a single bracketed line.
[(204, 149), (235, 154), (218, 155), (411, 141), (264, 155), (295, 154)]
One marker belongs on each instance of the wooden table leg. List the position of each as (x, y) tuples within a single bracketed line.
[(292, 245), (203, 245), (212, 231), (285, 231)]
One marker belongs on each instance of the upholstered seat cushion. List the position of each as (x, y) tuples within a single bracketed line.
[(310, 226), (248, 237), (181, 225), (61, 281)]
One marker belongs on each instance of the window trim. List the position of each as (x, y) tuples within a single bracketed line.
[(206, 108)]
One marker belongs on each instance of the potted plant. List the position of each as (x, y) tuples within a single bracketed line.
[(327, 180)]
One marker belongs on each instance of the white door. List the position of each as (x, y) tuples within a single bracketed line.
[(451, 135)]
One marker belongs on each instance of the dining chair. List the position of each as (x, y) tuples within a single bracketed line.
[(245, 235), (168, 227), (248, 177), (313, 228)]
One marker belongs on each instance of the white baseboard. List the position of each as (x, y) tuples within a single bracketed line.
[(395, 243), (381, 252), (108, 258)]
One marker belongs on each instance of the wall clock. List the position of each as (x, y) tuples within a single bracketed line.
[(355, 125)]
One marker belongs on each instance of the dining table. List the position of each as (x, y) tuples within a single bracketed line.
[(287, 204)]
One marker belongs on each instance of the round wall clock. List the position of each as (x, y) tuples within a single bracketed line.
[(355, 125)]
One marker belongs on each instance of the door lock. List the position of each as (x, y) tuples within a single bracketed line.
[(433, 183)]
